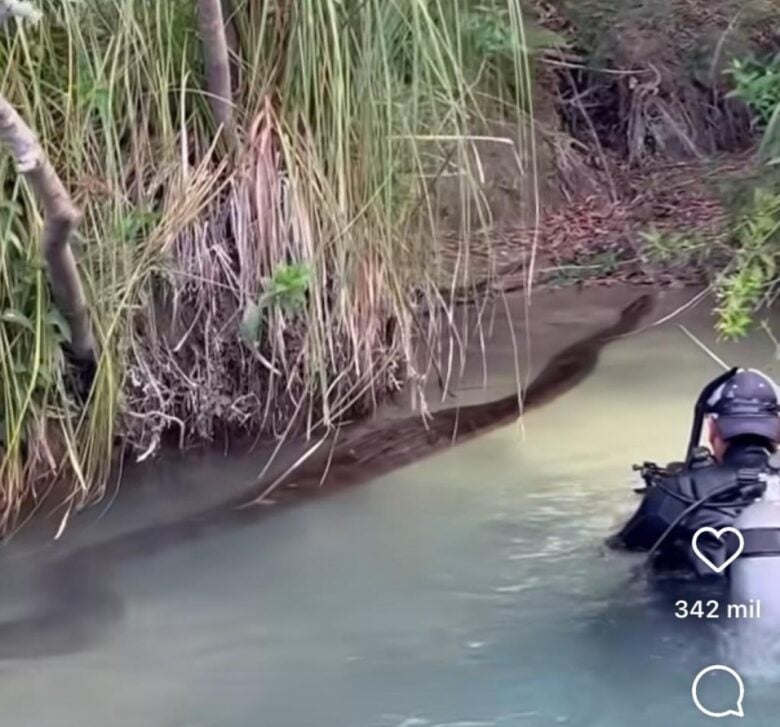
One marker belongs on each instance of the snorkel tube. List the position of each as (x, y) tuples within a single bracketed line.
[(702, 408)]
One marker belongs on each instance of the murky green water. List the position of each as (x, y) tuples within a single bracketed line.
[(468, 590)]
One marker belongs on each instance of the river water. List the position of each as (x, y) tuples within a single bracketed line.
[(468, 590)]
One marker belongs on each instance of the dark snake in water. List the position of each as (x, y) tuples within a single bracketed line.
[(76, 588)]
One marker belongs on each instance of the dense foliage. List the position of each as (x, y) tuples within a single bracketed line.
[(254, 289)]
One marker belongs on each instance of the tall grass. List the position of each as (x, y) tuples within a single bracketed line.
[(280, 286)]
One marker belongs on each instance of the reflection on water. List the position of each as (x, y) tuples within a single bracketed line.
[(468, 590)]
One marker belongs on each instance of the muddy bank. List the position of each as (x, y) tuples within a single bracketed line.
[(487, 353)]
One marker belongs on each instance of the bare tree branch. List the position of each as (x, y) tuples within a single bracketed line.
[(61, 218), (231, 37), (213, 36)]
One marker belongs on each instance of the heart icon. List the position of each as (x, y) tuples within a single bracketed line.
[(718, 534)]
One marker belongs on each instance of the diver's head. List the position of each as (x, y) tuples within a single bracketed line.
[(743, 408)]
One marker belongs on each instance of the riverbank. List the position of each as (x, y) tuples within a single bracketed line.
[(521, 343)]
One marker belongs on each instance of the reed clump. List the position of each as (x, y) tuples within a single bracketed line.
[(264, 276)]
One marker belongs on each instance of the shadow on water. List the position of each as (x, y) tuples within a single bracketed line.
[(78, 604)]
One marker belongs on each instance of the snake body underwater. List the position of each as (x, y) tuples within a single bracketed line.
[(79, 605)]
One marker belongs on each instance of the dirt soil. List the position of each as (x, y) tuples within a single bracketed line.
[(601, 235), (637, 136)]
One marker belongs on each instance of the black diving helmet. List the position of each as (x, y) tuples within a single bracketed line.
[(744, 401)]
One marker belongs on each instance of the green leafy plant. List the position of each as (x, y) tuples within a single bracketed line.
[(285, 291), (749, 280), (288, 287), (758, 84), (489, 30), (492, 45), (671, 247)]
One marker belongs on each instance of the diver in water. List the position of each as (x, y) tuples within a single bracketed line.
[(741, 410)]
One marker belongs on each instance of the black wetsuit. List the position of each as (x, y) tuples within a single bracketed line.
[(670, 494)]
